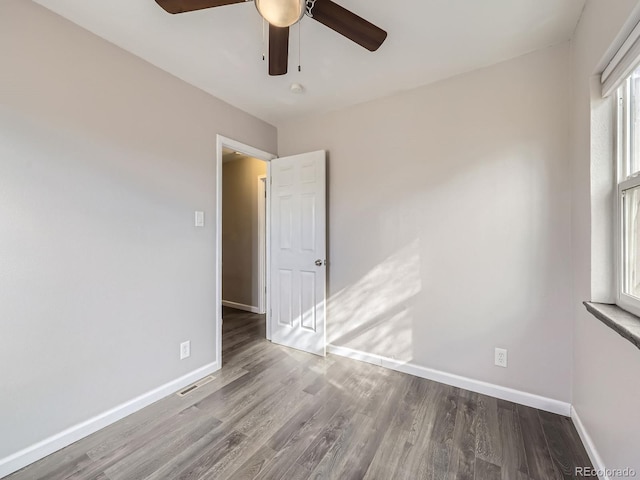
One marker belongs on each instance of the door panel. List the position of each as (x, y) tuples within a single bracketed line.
[(308, 300), (285, 290), (285, 209), (298, 251), (308, 222)]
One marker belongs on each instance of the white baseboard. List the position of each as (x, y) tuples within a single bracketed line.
[(478, 386), (594, 456), (35, 452), (240, 306)]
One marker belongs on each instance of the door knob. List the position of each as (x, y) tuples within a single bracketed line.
[(319, 263)]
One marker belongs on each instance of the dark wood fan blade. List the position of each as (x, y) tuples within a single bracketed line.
[(278, 50), (181, 6), (348, 24)]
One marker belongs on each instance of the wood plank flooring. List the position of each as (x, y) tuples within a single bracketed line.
[(276, 413)]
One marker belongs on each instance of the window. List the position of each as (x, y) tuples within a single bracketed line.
[(628, 202)]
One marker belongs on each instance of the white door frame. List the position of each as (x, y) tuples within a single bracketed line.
[(262, 246), (224, 142)]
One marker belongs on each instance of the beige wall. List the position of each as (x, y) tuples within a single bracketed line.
[(240, 240), (606, 367), (449, 218), (103, 161)]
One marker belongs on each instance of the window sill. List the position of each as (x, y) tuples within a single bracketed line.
[(621, 321)]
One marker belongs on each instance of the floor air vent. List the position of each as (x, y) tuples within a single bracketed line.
[(195, 386)]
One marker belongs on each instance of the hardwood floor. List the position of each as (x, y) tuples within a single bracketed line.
[(276, 413)]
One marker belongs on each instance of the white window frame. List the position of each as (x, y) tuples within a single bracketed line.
[(624, 181)]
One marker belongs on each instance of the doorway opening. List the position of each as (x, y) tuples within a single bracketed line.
[(294, 257), (242, 232)]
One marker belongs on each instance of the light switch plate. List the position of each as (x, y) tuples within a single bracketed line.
[(199, 219)]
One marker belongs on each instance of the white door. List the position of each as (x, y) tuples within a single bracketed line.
[(298, 252)]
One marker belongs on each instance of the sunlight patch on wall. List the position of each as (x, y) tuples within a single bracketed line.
[(374, 314)]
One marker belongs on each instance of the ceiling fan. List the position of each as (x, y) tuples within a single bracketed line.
[(282, 14)]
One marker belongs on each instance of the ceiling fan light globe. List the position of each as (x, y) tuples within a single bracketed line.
[(281, 13)]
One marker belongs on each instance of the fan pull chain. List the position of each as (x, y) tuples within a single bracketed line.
[(300, 46), (264, 54)]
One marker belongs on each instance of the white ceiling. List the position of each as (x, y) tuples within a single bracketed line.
[(220, 50)]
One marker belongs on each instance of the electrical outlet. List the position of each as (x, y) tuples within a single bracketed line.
[(185, 350), (501, 357)]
